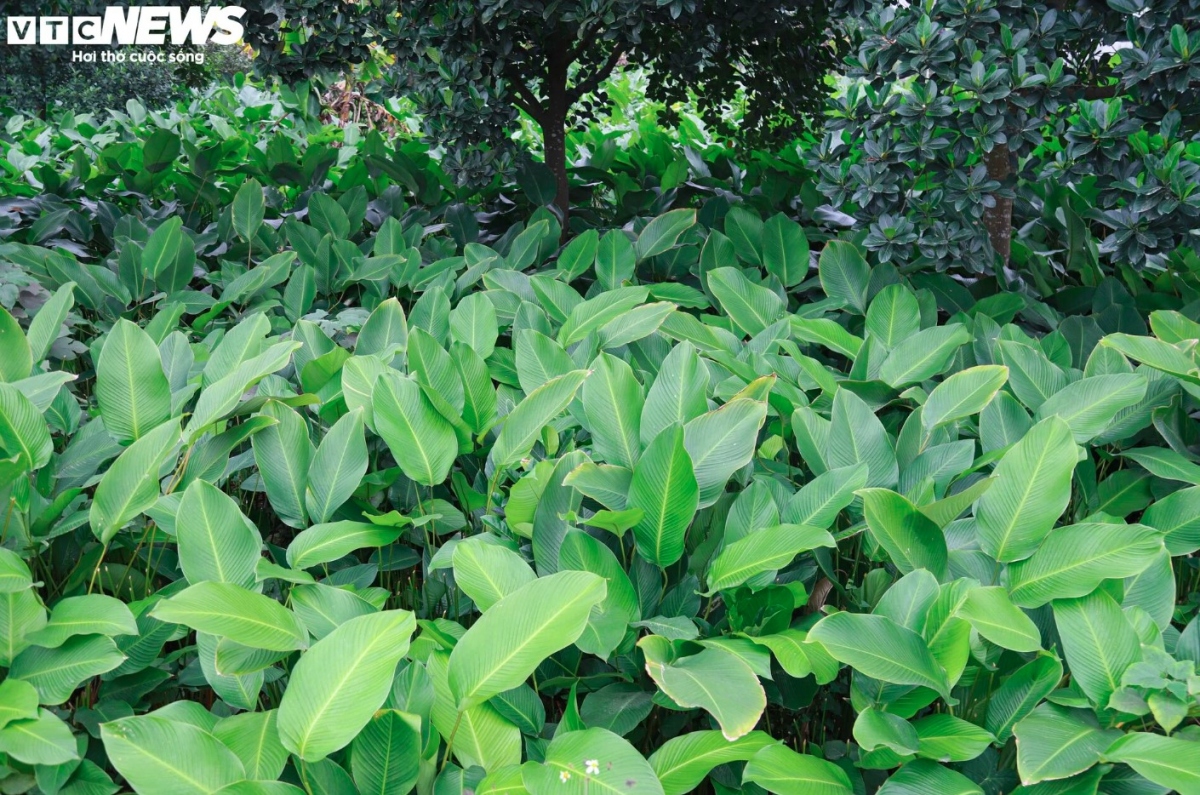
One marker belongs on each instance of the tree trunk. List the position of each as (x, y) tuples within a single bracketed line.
[(554, 130), (998, 219)]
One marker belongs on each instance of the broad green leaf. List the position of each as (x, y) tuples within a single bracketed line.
[(612, 403), (664, 488), (1089, 405), (678, 395), (963, 394), (1167, 761), (768, 549), (578, 255), (819, 501), (785, 250), (23, 432), (663, 232), (164, 757), (923, 355), (21, 613), (856, 436), (216, 541), (131, 389), (609, 620), (1177, 516), (736, 704), (473, 322), (42, 740), (1166, 463), (894, 315), (912, 540), (487, 572), (248, 210), (1032, 488), (45, 326), (386, 755), (1098, 643), (1074, 560), (923, 777), (337, 468), (598, 311), (779, 769), (616, 260), (750, 306), (721, 442), (18, 701), (254, 739), (875, 729), (130, 486), (1054, 742), (93, 614), (591, 762), (421, 440), (995, 617), (512, 638), (282, 453), (482, 737), (228, 610), (881, 649), (16, 357), (163, 248), (341, 681), (324, 543), (682, 762), (523, 425), (945, 738), (1020, 693), (1032, 377), (844, 275), (57, 672)]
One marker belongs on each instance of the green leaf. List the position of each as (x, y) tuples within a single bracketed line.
[(768, 549), (46, 324), (1020, 693), (612, 403), (1166, 463), (341, 681), (894, 315), (325, 543), (16, 357), (819, 501), (664, 488), (1167, 761), (483, 737), (282, 453), (856, 436), (254, 738), (130, 485), (512, 638), (995, 617), (44, 740), (779, 769), (1054, 742), (163, 757), (1177, 516), (228, 610), (487, 571), (421, 440), (1098, 642), (785, 250), (216, 541), (1074, 560), (663, 232), (93, 614), (750, 306), (523, 425), (923, 777), (609, 620), (131, 388), (248, 210), (844, 274), (57, 672), (23, 431), (18, 701), (875, 729), (385, 757), (965, 393), (338, 467), (578, 255), (682, 762), (881, 649), (946, 738), (1032, 488), (162, 248), (616, 769), (912, 540), (1090, 404), (678, 395), (1032, 377), (923, 355), (721, 442), (736, 704)]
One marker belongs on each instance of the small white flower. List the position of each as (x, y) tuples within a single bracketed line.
[(563, 776), (593, 767)]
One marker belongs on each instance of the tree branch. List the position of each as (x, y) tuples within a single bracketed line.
[(593, 81), (523, 98), (585, 41)]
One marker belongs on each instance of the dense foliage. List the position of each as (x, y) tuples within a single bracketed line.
[(317, 477), (971, 123)]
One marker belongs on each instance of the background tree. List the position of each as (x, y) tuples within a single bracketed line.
[(931, 143), (472, 64)]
